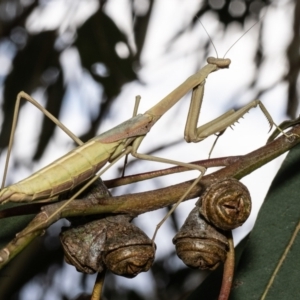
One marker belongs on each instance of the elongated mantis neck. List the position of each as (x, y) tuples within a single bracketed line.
[(213, 64)]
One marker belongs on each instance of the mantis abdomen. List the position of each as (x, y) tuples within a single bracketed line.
[(62, 175)]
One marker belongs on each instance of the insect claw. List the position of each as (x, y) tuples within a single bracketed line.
[(291, 137)]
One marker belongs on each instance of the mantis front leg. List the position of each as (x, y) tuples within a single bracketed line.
[(196, 134)]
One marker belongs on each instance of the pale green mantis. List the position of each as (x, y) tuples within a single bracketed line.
[(81, 164)]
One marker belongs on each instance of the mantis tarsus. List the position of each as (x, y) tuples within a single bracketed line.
[(88, 158)]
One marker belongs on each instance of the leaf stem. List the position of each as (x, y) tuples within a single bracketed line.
[(98, 286), (228, 270)]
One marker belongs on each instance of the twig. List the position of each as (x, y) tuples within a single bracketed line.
[(228, 271), (98, 286), (207, 163)]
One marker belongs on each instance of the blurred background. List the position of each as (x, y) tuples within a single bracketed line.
[(85, 61)]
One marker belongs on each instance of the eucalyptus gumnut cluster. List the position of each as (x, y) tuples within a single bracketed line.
[(201, 242), (115, 244), (111, 243)]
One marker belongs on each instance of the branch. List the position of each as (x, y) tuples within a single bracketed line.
[(207, 163)]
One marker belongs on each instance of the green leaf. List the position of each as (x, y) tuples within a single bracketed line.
[(271, 260), (96, 41), (10, 226)]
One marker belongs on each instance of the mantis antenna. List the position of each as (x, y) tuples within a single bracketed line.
[(243, 35), (212, 43)]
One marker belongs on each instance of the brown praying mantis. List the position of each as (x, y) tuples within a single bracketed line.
[(82, 165)]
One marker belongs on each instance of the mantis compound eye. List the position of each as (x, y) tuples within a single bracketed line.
[(226, 204), (200, 245), (111, 243)]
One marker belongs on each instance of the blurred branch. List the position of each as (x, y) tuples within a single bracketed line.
[(293, 57), (140, 29)]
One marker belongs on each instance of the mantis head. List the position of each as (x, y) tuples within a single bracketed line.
[(221, 63)]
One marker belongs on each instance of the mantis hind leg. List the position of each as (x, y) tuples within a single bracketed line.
[(196, 181), (201, 169), (20, 96)]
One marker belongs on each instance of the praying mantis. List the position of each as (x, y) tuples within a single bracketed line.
[(84, 162)]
